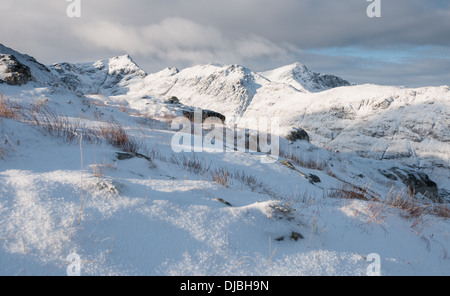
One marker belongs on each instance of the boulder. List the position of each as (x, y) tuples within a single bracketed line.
[(417, 182), (173, 101), (314, 179), (296, 236), (190, 114), (12, 71), (298, 134)]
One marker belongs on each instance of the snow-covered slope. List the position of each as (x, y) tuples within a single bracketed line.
[(409, 125), (318, 209), (124, 215)]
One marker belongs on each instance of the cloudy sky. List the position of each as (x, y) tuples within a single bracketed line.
[(408, 45)]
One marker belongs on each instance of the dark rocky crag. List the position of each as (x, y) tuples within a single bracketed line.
[(12, 71)]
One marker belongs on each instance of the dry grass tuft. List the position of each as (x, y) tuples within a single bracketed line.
[(52, 123), (441, 211), (2, 153), (410, 207), (97, 170), (221, 176), (116, 135), (55, 124), (250, 181), (191, 164), (309, 163)]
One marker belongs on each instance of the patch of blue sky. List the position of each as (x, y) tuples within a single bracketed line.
[(398, 54)]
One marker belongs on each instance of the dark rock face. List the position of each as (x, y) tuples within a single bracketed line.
[(298, 134), (173, 100), (313, 81), (107, 76), (314, 179), (418, 182), (14, 72), (329, 81)]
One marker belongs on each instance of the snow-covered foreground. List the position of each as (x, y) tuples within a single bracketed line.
[(126, 215)]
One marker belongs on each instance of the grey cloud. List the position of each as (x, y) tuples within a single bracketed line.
[(175, 39), (260, 34)]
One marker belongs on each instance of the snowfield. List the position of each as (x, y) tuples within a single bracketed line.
[(87, 167)]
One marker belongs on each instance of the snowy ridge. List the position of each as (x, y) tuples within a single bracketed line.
[(408, 125), (210, 86), (39, 72), (110, 76)]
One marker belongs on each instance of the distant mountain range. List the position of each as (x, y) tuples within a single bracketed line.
[(379, 122)]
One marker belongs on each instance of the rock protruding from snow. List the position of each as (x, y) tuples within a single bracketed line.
[(12, 71), (300, 77), (189, 113), (298, 134), (416, 182)]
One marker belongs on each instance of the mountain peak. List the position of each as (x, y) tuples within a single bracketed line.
[(300, 77), (124, 64), (101, 76), (299, 66)]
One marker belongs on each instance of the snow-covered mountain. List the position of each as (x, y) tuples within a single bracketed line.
[(319, 208), (379, 122), (410, 126), (109, 77), (228, 89)]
